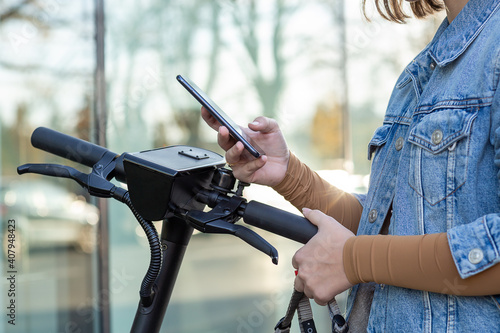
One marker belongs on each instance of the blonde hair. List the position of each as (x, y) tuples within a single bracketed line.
[(392, 10)]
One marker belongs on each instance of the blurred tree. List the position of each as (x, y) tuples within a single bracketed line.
[(15, 141), (266, 72), (139, 33), (332, 120), (83, 125), (160, 135), (14, 12), (199, 32), (327, 131), (41, 74)]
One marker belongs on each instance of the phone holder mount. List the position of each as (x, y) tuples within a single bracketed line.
[(180, 181)]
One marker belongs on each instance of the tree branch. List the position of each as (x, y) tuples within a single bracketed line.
[(13, 11)]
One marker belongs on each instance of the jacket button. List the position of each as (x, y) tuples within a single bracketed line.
[(433, 65), (372, 216), (437, 137), (475, 256), (399, 143)]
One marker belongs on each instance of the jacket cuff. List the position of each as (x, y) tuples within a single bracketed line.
[(474, 246)]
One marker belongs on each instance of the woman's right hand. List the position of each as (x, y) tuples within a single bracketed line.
[(269, 169)]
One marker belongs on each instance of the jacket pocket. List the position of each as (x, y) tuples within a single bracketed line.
[(439, 152), (379, 139)]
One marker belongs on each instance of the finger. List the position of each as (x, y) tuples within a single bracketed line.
[(233, 154), (298, 284), (209, 119), (320, 302), (249, 168), (295, 263), (301, 286), (225, 140), (264, 125), (305, 288)]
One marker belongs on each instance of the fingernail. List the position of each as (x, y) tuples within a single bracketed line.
[(254, 123), (305, 210)]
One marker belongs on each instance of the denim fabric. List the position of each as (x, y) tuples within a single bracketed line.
[(435, 165)]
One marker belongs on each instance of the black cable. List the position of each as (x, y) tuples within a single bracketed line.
[(146, 291)]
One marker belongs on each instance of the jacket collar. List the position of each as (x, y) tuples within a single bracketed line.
[(451, 40)]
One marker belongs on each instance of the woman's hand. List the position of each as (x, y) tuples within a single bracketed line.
[(320, 266), (269, 169)]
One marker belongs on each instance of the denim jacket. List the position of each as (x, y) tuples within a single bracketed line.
[(435, 167)]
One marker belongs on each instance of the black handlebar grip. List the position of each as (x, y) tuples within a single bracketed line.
[(66, 146), (279, 222)]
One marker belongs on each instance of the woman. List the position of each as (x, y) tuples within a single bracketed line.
[(428, 230)]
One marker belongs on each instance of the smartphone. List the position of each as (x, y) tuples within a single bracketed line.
[(221, 116)]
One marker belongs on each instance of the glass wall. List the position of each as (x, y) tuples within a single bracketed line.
[(48, 225), (315, 66), (303, 63)]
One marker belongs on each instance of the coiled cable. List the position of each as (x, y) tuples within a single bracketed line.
[(147, 292)]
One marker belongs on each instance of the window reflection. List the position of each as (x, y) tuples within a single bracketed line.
[(46, 75)]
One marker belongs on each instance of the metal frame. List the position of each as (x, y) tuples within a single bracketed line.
[(99, 137)]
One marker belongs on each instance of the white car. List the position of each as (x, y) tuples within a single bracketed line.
[(46, 215)]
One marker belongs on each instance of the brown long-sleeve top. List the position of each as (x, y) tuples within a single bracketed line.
[(422, 262)]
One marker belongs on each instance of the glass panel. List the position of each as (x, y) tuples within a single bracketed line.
[(284, 59), (48, 224)]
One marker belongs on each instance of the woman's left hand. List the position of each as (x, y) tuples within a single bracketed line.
[(320, 266)]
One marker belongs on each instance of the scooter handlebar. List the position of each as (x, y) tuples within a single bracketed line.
[(68, 147), (279, 222)]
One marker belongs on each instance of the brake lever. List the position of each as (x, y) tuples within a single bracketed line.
[(203, 222), (93, 182), (54, 170), (223, 227), (245, 234)]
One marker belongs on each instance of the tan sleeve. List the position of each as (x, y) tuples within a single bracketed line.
[(305, 188), (417, 262)]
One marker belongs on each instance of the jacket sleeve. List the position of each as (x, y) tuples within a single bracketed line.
[(476, 246)]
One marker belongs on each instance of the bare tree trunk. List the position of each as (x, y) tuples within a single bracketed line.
[(268, 85), (344, 98)]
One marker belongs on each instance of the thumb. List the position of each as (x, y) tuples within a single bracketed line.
[(315, 216), (264, 125)]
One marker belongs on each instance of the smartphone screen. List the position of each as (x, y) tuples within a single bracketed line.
[(220, 115)]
